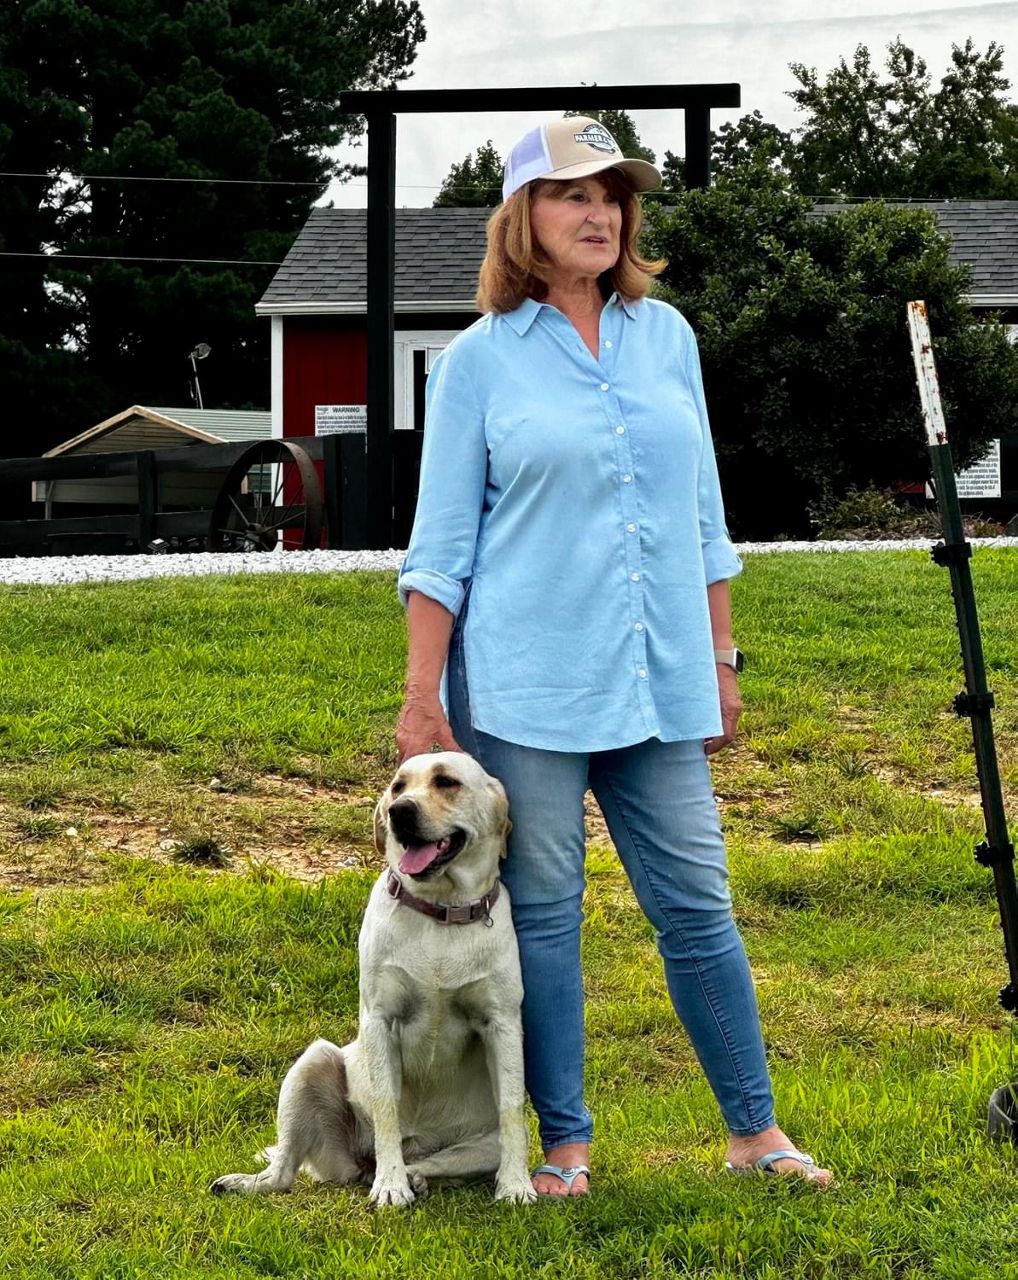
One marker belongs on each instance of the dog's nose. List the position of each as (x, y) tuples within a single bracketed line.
[(403, 815)]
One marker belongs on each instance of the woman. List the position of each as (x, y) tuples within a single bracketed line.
[(569, 567)]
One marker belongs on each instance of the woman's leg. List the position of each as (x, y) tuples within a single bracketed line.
[(657, 801), (544, 875), (659, 805), (543, 872)]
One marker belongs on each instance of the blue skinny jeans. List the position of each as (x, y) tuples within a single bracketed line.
[(659, 806)]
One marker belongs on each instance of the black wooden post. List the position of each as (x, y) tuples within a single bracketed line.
[(381, 256), (354, 490), (148, 497), (332, 479), (697, 122)]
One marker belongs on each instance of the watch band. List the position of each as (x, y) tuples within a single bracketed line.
[(733, 658)]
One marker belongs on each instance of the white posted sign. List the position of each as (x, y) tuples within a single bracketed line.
[(340, 419), (982, 480)]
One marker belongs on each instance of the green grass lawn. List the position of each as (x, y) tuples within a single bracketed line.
[(183, 760)]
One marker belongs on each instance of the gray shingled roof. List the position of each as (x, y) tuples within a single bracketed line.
[(982, 233), (438, 253)]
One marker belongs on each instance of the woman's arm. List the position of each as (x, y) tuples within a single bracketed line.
[(422, 723), (720, 560), (440, 557), (719, 602)]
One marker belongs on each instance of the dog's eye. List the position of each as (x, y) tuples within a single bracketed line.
[(397, 787), (443, 780)]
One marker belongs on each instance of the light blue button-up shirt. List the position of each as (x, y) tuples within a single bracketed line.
[(578, 500)]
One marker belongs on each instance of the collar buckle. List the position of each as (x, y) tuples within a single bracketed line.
[(464, 913)]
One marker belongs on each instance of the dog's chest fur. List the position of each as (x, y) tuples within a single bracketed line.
[(436, 984)]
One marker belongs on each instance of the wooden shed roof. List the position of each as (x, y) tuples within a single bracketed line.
[(141, 427)]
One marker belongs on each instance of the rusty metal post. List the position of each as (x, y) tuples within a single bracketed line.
[(954, 552)]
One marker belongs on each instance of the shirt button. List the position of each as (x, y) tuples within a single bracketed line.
[(620, 431), (630, 528), (635, 577), (642, 673), (608, 342), (626, 478), (638, 626), (604, 386)]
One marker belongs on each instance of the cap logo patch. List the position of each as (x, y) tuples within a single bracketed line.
[(596, 136)]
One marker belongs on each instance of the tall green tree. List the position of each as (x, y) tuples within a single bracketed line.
[(808, 371), (38, 129), (475, 183), (240, 95), (752, 151), (890, 133)]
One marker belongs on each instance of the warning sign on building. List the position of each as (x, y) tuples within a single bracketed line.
[(340, 419)]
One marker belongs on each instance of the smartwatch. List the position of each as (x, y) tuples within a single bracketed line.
[(733, 658)]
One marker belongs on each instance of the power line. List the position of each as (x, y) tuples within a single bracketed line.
[(127, 177), (403, 186), (96, 257), (249, 182)]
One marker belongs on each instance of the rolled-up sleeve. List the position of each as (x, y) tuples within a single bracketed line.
[(720, 559), (454, 467)]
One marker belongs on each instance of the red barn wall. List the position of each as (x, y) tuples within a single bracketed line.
[(325, 361)]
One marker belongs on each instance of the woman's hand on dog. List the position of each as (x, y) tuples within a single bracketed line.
[(421, 726)]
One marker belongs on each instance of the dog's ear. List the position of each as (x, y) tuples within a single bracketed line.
[(501, 814), (381, 823)]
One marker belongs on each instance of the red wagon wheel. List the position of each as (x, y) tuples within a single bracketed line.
[(270, 491)]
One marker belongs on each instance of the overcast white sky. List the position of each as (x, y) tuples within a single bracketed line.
[(518, 43)]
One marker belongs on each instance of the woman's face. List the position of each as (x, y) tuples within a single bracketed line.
[(578, 226)]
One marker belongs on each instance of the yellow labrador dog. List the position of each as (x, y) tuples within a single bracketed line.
[(433, 1085)]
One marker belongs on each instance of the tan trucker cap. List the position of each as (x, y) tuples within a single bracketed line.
[(574, 147)]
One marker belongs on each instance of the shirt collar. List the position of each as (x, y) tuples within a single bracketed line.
[(628, 307), (526, 313), (524, 316)]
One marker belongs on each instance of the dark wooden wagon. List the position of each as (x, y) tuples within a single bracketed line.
[(298, 494)]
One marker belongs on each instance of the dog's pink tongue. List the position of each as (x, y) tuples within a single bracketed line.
[(417, 857)]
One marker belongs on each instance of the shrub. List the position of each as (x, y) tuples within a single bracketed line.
[(807, 364)]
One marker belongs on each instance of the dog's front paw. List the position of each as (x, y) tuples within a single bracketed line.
[(235, 1184), (515, 1187), (391, 1190)]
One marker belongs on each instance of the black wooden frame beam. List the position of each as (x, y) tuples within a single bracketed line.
[(381, 107), (559, 97)]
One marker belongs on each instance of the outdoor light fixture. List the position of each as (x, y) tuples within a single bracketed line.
[(199, 353)]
